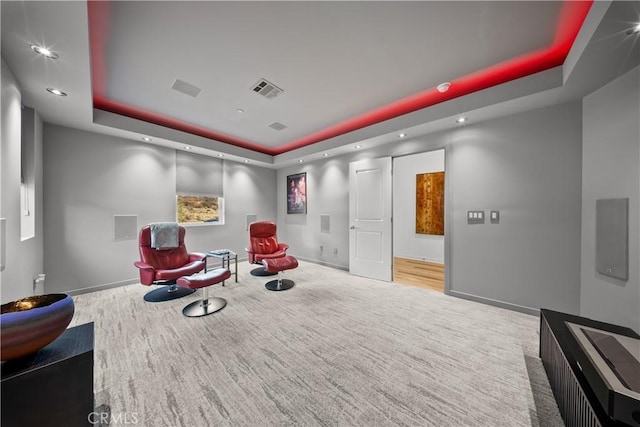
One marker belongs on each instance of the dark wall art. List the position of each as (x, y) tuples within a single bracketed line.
[(297, 193)]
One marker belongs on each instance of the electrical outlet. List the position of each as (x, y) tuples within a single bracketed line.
[(335, 251), (321, 249)]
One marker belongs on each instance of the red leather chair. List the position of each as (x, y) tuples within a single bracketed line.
[(165, 266), (263, 244)]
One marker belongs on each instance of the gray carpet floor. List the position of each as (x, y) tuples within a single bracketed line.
[(336, 350)]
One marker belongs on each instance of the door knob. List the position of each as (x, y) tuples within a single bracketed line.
[(353, 227)]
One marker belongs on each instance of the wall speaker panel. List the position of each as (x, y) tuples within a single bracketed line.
[(125, 227), (325, 223), (612, 238), (249, 218)]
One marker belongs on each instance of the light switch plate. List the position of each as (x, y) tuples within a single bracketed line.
[(475, 217), (495, 217)]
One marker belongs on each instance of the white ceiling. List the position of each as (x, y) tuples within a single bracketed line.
[(334, 60)]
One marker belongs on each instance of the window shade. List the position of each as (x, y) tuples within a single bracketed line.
[(198, 175)]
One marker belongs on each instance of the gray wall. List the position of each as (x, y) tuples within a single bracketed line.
[(528, 166), (610, 169), (24, 259), (91, 177)]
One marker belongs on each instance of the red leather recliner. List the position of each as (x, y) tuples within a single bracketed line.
[(263, 244), (165, 266)]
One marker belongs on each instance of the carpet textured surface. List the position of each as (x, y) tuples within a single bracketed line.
[(335, 350)]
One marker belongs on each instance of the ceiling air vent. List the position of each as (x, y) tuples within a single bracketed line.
[(186, 88), (277, 126), (267, 89)]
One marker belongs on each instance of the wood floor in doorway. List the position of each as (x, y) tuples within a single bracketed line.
[(425, 274)]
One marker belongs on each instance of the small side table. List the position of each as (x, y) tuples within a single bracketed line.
[(225, 256)]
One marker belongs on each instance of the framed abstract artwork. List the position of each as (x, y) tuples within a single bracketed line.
[(297, 193), (430, 203)]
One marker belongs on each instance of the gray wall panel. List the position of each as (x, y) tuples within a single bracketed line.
[(527, 166), (611, 169), (91, 177)]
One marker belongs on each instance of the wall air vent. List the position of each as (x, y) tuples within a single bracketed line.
[(277, 126), (266, 89)]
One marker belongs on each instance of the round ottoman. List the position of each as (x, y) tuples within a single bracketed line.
[(279, 265), (206, 305)]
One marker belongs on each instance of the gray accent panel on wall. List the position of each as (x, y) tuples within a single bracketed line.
[(198, 175), (527, 166), (611, 169), (92, 177), (612, 237), (23, 257)]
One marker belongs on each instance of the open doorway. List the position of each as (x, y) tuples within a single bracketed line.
[(418, 220)]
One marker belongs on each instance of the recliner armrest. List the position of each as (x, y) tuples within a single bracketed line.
[(283, 246), (143, 265), (147, 272), (196, 256)]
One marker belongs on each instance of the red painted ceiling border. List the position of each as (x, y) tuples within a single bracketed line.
[(572, 16)]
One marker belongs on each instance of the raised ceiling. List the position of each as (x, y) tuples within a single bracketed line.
[(351, 72), (341, 66)]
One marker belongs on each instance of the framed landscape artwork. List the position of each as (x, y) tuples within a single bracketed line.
[(198, 209), (297, 193), (430, 203)]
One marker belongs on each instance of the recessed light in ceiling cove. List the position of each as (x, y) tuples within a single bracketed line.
[(634, 30), (44, 51), (55, 91), (443, 87), (460, 120)]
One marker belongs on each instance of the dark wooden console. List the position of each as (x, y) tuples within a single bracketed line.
[(54, 387), (584, 398)]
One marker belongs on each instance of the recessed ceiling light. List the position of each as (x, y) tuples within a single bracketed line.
[(186, 147), (56, 91), (239, 110), (634, 30), (358, 146), (300, 161), (460, 120), (402, 135), (220, 155), (246, 160), (44, 51), (325, 155), (146, 139), (443, 87)]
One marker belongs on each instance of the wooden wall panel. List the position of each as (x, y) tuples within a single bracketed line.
[(430, 203)]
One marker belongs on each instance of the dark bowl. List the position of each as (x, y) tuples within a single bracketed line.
[(28, 324)]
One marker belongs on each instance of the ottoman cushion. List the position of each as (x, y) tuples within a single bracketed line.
[(275, 265), (205, 279)]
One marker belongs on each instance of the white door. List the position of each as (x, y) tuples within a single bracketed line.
[(370, 218)]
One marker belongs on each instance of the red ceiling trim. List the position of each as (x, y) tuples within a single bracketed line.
[(571, 18)]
